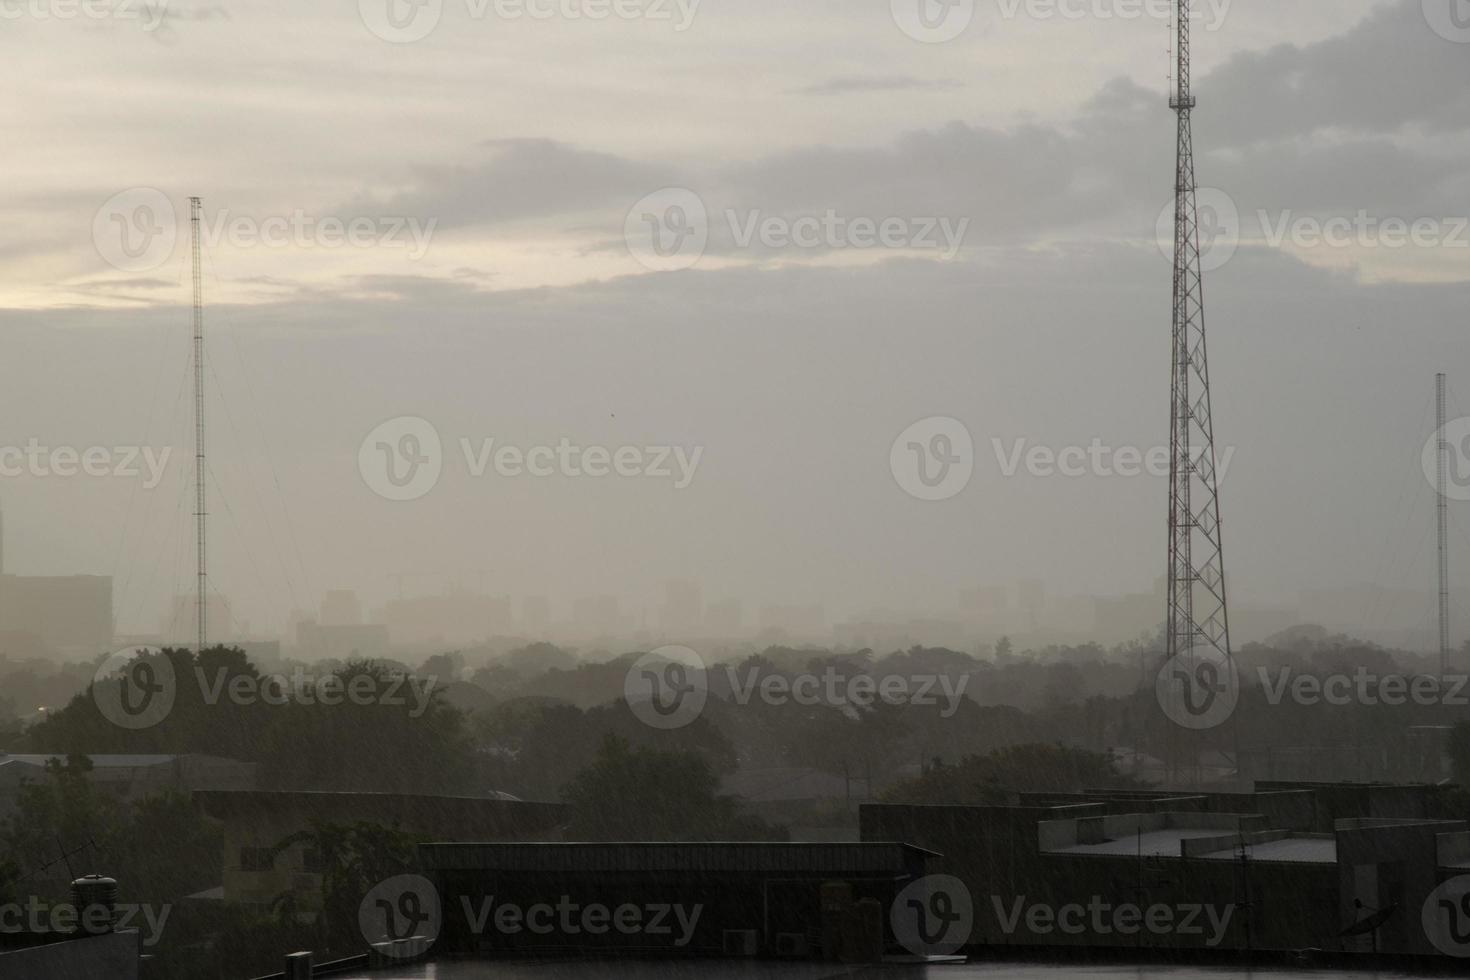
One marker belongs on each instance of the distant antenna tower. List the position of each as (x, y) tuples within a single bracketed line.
[(199, 467), (1197, 616), (1442, 454)]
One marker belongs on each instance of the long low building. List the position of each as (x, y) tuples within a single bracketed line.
[(1206, 872), (740, 899), (131, 777), (258, 869)]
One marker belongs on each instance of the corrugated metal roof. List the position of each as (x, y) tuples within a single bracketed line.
[(645, 857)]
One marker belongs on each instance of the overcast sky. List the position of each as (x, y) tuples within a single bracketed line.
[(979, 244)]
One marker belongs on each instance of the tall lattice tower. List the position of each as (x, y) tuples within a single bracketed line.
[(1198, 623)]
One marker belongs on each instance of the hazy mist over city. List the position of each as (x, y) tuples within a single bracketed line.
[(785, 372), (668, 488)]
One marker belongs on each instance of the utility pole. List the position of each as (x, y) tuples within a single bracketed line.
[(1442, 454), (200, 472), (1198, 626)]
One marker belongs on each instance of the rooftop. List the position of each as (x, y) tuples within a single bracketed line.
[(764, 970), (1295, 850), (647, 857), (98, 761), (1150, 843)]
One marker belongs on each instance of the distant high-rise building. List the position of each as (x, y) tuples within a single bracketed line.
[(341, 642), (800, 622), (460, 617), (535, 615), (596, 614), (985, 601), (723, 619), (1031, 595), (683, 610), (69, 614), (341, 608)]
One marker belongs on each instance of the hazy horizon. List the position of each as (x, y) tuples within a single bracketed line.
[(783, 373)]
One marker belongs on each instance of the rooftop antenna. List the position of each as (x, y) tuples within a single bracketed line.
[(1442, 485), (200, 514)]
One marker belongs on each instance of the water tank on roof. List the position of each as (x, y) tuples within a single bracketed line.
[(95, 899)]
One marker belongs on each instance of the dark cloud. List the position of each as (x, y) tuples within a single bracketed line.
[(515, 180)]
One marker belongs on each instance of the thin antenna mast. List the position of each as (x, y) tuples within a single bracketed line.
[(199, 465), (1442, 455)]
